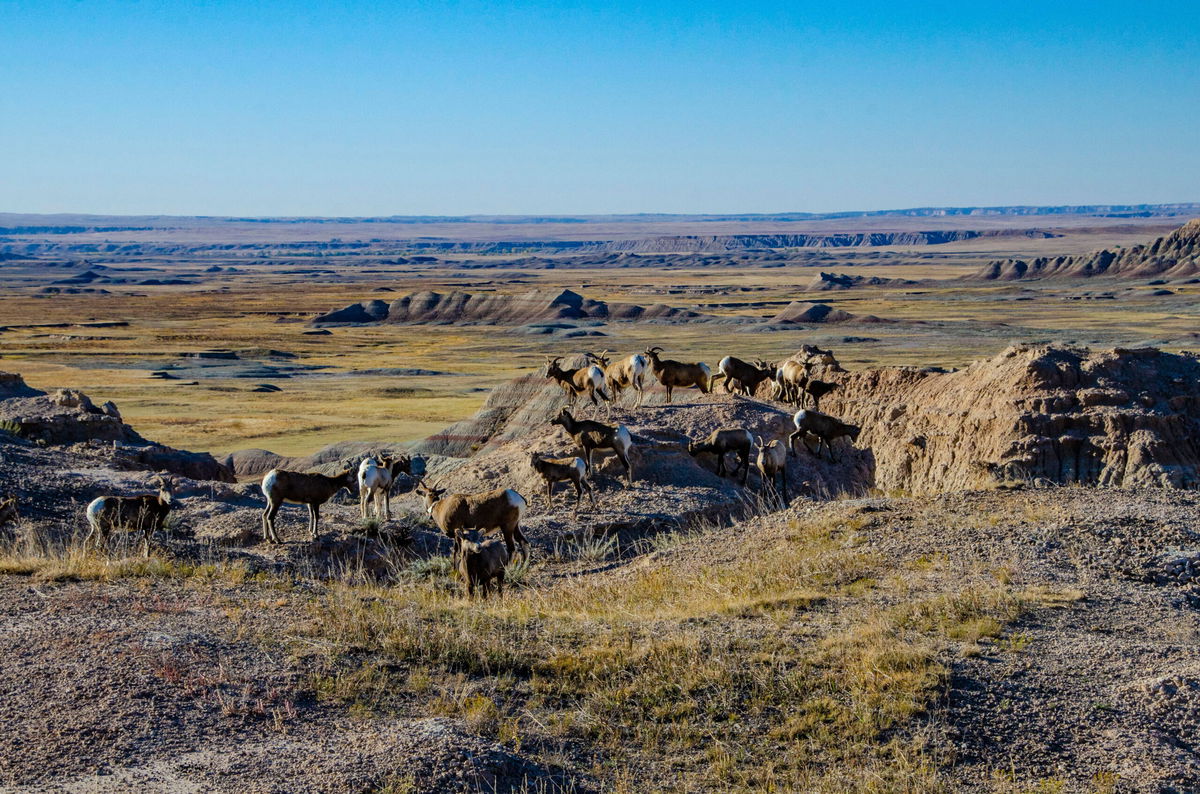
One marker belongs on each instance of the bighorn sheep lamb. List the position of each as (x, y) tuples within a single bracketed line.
[(588, 379), (771, 462), (676, 374), (590, 436), (376, 476), (145, 513), (628, 373), (824, 427), (724, 441), (742, 377), (500, 509), (480, 562), (8, 511), (572, 470), (313, 489)]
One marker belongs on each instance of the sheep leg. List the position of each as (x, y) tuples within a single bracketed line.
[(720, 464), (270, 534), (783, 486), (500, 584), (549, 493), (578, 494), (314, 513), (668, 394), (387, 504), (745, 467), (363, 497)]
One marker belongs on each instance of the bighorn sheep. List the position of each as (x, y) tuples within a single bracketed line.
[(376, 476), (588, 379), (500, 509), (771, 462), (145, 513), (480, 562), (793, 383), (8, 511), (824, 427), (313, 489), (724, 441), (629, 372), (742, 377), (672, 374), (572, 470), (590, 436)]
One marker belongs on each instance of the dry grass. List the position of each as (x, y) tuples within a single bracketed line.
[(786, 669)]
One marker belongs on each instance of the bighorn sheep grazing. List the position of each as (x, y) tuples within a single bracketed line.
[(724, 441), (480, 562), (676, 374), (790, 378), (314, 490), (590, 436), (145, 513), (742, 377), (572, 470), (500, 509), (376, 476), (588, 379), (771, 462), (628, 373), (8, 511), (824, 427)]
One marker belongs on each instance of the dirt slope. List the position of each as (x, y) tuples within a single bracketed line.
[(1125, 418)]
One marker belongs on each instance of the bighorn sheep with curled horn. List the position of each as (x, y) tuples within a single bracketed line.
[(481, 562), (588, 379), (628, 373), (824, 427), (145, 513), (590, 436), (500, 509), (676, 374), (742, 377), (376, 476), (572, 470), (771, 462), (721, 443), (310, 489), (8, 511)]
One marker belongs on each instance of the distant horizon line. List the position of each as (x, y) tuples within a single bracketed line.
[(1144, 209)]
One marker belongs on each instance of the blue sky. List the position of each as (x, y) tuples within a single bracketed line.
[(377, 108)]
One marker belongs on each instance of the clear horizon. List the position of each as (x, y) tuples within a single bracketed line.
[(285, 109)]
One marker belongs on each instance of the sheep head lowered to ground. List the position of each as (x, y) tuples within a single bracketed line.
[(500, 509), (826, 428), (627, 373), (742, 377), (377, 476), (676, 374), (145, 513), (721, 442)]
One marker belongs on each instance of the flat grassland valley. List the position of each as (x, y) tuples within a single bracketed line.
[(982, 574)]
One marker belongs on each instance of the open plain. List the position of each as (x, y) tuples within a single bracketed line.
[(992, 586)]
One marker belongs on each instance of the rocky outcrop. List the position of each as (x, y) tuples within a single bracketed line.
[(826, 282), (1176, 255), (1128, 418), (493, 308), (805, 312), (70, 417)]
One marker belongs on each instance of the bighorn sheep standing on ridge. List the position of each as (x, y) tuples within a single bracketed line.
[(742, 377), (314, 490), (628, 373), (721, 443), (590, 436), (145, 513), (572, 470), (376, 476), (588, 379), (824, 427), (672, 374), (480, 562), (771, 462), (500, 509)]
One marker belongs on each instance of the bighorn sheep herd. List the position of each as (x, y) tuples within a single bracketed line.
[(467, 518)]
